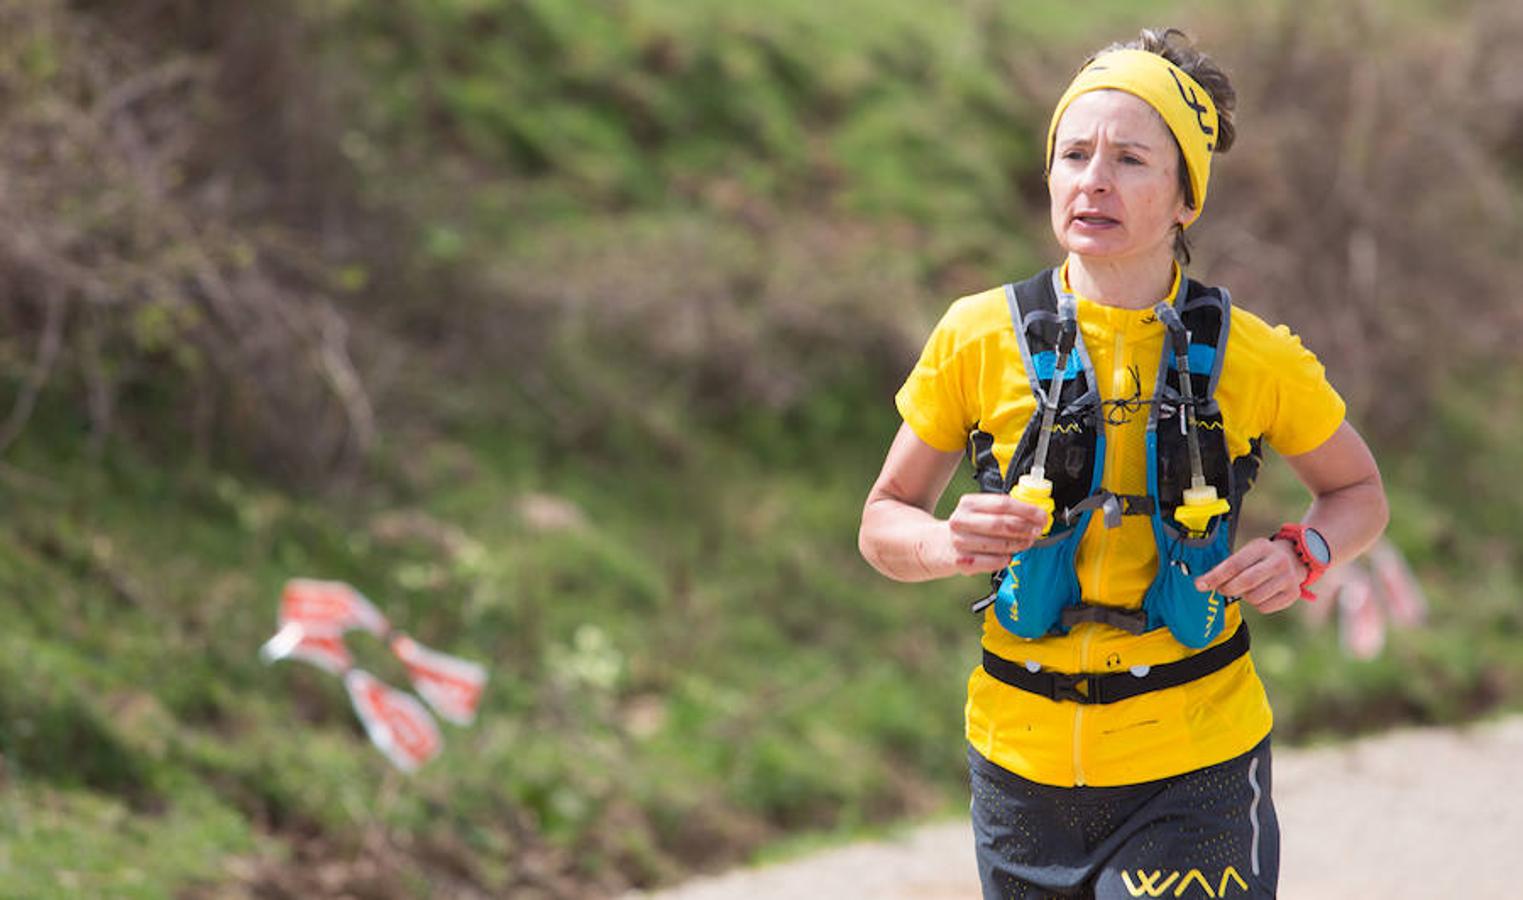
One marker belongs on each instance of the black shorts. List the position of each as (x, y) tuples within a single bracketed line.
[(1207, 833)]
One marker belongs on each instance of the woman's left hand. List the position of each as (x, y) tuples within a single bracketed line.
[(1349, 509), (1265, 573)]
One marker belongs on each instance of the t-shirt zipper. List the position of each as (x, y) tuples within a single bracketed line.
[(1113, 450)]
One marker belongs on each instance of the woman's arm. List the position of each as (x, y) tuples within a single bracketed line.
[(1349, 509), (902, 538)]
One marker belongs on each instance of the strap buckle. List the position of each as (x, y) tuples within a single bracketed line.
[(983, 603), (1112, 507), (1075, 687)]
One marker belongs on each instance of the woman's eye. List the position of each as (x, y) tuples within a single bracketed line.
[(1132, 160), (1073, 154)]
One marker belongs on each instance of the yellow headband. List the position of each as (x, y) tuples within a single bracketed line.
[(1185, 106)]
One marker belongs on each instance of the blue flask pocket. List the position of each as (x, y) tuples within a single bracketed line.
[(1037, 584), (1194, 617)]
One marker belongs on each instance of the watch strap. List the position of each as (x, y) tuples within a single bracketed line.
[(1295, 534)]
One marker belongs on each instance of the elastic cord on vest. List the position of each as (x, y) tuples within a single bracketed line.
[(1109, 687)]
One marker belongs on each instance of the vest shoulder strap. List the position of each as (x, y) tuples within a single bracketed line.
[(1038, 307), (1207, 314), (1034, 314), (1204, 314)]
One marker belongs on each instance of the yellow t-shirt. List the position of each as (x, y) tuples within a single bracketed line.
[(969, 376)]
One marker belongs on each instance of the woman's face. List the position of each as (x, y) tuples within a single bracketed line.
[(1115, 179)]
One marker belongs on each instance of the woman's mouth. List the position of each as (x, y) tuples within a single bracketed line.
[(1095, 220)]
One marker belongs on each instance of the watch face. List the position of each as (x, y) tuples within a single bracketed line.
[(1316, 545)]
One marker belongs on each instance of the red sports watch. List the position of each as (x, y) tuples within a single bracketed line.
[(1311, 547)]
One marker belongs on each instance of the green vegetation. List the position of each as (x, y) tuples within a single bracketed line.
[(567, 331)]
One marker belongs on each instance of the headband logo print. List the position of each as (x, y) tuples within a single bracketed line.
[(1188, 95)]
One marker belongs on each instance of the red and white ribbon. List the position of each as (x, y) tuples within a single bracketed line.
[(294, 641), (315, 615), (452, 686), (397, 723), (329, 606)]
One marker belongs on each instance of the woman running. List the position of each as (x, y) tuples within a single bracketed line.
[(1114, 410)]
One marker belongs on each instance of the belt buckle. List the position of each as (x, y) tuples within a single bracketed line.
[(1071, 687)]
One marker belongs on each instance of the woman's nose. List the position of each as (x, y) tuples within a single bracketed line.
[(1096, 176)]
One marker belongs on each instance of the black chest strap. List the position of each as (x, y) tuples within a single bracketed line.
[(1109, 687), (1113, 506)]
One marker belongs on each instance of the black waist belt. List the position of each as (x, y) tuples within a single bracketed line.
[(1108, 687)]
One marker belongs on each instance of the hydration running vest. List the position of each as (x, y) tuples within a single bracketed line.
[(1038, 592)]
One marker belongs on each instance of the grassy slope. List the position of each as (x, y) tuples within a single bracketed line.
[(678, 672), (634, 654)]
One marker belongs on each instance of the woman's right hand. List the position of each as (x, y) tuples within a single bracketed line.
[(902, 537), (985, 530)]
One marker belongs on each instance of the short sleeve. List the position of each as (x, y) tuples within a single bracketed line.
[(933, 400), (1307, 408)]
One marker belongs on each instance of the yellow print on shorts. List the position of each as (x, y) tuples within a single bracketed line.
[(1157, 883)]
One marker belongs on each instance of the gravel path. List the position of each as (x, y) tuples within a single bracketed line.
[(1416, 814)]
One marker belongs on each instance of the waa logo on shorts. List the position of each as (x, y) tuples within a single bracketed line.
[(1157, 883)]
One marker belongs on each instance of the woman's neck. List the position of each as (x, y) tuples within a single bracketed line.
[(1128, 284)]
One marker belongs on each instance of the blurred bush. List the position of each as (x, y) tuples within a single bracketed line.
[(254, 217), (179, 246), (1372, 199)]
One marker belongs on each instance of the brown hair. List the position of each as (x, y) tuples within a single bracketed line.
[(1209, 76)]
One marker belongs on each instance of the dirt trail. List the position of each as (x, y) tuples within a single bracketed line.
[(1419, 814)]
